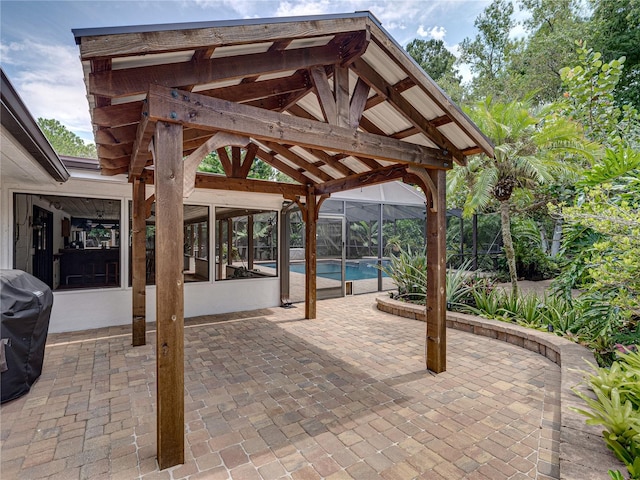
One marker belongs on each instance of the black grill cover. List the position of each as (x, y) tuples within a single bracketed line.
[(25, 304)]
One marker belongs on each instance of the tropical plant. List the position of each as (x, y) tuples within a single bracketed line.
[(527, 153), (408, 271), (603, 243), (616, 407)]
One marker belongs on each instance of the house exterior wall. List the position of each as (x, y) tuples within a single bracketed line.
[(93, 308)]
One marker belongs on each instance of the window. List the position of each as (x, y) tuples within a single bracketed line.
[(246, 243), (68, 242), (196, 244)]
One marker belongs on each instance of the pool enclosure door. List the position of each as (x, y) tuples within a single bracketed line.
[(330, 271)]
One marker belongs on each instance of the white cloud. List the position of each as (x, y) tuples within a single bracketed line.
[(436, 32), (307, 7), (49, 80)]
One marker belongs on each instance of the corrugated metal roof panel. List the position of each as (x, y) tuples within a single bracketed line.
[(245, 49), (423, 103), (382, 64), (269, 76), (310, 103), (355, 165), (132, 98), (456, 135), (223, 83), (309, 42), (420, 139), (387, 119), (152, 59)]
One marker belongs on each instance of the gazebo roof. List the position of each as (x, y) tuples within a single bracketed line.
[(286, 90)]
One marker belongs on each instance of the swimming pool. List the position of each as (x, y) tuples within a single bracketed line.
[(354, 270)]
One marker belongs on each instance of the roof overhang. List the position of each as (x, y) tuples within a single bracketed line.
[(326, 100), (17, 120)]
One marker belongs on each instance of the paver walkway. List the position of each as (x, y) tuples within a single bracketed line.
[(275, 396)]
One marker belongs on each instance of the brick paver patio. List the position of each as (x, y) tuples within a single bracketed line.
[(271, 395)]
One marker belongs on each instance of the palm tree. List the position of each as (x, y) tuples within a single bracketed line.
[(529, 151)]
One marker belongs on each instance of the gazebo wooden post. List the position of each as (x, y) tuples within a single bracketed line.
[(310, 255), (436, 275), (138, 262), (169, 294)]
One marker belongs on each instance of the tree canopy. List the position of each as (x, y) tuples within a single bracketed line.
[(64, 141)]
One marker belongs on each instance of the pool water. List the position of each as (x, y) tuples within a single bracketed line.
[(331, 270)]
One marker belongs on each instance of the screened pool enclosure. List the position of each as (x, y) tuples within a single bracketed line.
[(357, 230)]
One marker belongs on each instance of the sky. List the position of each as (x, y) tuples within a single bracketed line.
[(39, 55)]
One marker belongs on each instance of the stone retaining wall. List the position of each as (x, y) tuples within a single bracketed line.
[(583, 453)]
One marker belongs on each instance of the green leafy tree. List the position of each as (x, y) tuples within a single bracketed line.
[(64, 141), (259, 170), (434, 58), (488, 52), (589, 99), (528, 150), (615, 31), (553, 27), (606, 225)]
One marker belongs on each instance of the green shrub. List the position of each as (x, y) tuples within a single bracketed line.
[(617, 408)]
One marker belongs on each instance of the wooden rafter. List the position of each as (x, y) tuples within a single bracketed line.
[(382, 175), (218, 182), (403, 106), (430, 88), (358, 103), (134, 81), (298, 160), (270, 158)]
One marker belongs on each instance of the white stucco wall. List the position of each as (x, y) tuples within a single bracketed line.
[(84, 309)]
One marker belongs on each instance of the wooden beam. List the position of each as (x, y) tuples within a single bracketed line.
[(244, 92), (142, 43), (169, 294), (249, 157), (421, 177), (135, 81), (341, 95), (124, 135), (138, 262), (236, 160), (298, 160), (220, 139), (358, 102), (310, 227), (146, 129), (225, 161), (117, 115), (279, 165), (110, 163), (198, 111), (218, 182), (324, 94), (381, 175), (330, 161), (436, 305), (405, 62), (380, 85)]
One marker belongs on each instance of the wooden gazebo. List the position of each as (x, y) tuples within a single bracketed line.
[(331, 101)]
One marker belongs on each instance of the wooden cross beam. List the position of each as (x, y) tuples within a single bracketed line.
[(204, 112)]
